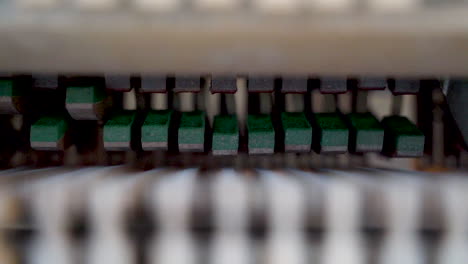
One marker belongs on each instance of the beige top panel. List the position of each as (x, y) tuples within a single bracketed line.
[(424, 42)]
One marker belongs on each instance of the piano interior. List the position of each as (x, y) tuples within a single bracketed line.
[(233, 131)]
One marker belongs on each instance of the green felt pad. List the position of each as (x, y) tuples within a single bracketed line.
[(9, 89), (51, 128), (332, 133), (156, 126), (225, 134), (366, 132), (119, 127), (192, 130), (297, 131), (261, 134), (85, 94), (402, 137)]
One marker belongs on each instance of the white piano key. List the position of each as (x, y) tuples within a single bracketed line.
[(111, 249), (7, 254), (217, 4), (173, 247), (454, 196), (50, 202), (54, 200), (288, 247), (343, 247), (453, 250), (8, 207), (51, 250), (343, 210), (53, 193), (231, 248), (231, 198), (404, 248), (391, 6), (158, 5), (7, 217), (343, 200), (315, 186), (402, 202), (332, 5), (171, 197), (278, 6), (285, 212), (109, 200), (231, 201)]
